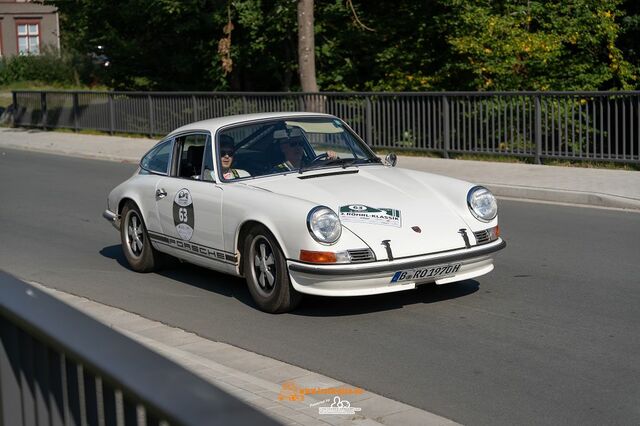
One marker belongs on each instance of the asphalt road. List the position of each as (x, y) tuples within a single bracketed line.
[(551, 336)]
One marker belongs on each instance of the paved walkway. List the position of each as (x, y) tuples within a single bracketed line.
[(573, 185), (265, 383)]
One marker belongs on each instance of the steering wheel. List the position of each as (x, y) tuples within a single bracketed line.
[(322, 156)]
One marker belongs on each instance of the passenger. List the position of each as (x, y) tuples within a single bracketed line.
[(226, 153)]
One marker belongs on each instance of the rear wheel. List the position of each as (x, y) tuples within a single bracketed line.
[(142, 257), (266, 272)]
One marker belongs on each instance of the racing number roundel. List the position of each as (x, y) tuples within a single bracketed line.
[(183, 216)]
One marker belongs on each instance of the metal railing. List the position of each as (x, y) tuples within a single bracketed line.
[(60, 367), (596, 126)]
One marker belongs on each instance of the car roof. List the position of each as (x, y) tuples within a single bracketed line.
[(214, 124)]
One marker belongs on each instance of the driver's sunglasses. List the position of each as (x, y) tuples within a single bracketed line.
[(226, 153)]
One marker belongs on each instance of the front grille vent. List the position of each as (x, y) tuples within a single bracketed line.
[(482, 237), (361, 255)]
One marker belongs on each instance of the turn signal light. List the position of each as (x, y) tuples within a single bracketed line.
[(318, 256)]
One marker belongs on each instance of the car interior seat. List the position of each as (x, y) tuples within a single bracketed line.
[(193, 165)]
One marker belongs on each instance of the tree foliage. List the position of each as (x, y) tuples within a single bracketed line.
[(536, 45), (409, 44)]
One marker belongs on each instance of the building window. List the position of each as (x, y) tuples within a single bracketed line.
[(28, 38)]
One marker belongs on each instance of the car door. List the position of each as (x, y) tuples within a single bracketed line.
[(190, 207), (155, 166)]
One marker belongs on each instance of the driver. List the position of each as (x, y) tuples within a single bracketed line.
[(294, 156)]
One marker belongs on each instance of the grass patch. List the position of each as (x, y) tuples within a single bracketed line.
[(6, 97), (38, 85)]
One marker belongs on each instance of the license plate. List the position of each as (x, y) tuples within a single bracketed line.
[(425, 273)]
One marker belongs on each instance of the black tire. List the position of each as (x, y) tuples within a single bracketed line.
[(142, 257), (268, 281)]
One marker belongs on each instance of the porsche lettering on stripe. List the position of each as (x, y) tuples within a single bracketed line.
[(193, 248)]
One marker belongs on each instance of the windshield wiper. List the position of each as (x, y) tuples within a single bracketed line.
[(316, 165), (344, 162), (369, 160)]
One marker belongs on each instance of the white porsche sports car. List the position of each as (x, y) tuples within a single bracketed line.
[(298, 204)]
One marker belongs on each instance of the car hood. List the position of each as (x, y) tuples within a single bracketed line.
[(380, 203)]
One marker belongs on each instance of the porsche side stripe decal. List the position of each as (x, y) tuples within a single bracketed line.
[(189, 247)]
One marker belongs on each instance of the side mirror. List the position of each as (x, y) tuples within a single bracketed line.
[(391, 159)]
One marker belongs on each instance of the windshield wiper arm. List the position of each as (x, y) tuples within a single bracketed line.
[(327, 162), (344, 162), (369, 160)]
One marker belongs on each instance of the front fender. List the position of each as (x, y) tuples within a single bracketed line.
[(284, 216)]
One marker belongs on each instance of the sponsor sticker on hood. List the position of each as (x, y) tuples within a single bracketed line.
[(359, 213)]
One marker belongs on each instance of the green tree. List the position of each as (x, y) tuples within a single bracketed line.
[(409, 44), (161, 44), (534, 45)]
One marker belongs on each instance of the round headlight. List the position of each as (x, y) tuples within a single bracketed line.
[(324, 225), (482, 203)]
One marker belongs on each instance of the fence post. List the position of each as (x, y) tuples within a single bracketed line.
[(43, 107), (75, 111), (194, 104), (369, 123), (538, 129), (446, 126), (14, 96), (152, 123), (111, 115), (245, 108)]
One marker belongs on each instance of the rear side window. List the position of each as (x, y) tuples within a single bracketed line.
[(190, 154), (157, 160)]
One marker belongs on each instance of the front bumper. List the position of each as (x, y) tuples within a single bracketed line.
[(375, 277), (112, 217)]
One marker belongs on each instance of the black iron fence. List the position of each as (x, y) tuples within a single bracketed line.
[(600, 126), (60, 367)]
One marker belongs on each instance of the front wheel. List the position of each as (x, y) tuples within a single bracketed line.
[(142, 257), (266, 272)]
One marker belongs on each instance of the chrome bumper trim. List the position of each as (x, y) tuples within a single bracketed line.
[(113, 218), (398, 264)]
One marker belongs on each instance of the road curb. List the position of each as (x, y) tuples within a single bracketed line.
[(55, 151), (563, 196)]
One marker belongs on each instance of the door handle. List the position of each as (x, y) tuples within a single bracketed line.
[(161, 193)]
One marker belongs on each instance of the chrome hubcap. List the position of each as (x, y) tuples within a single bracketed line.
[(134, 234), (264, 267)]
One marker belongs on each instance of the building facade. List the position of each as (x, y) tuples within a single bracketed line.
[(27, 27)]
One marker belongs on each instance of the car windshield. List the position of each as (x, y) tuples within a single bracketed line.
[(289, 145)]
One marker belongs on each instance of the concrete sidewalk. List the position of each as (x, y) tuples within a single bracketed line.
[(573, 185), (271, 386)]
